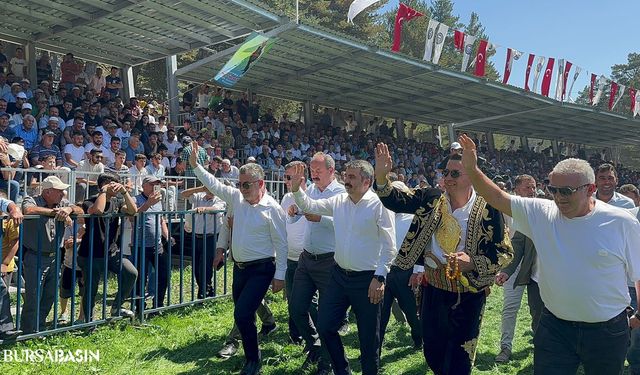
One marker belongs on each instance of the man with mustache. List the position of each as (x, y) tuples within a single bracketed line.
[(364, 249)]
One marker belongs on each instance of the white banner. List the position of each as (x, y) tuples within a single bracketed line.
[(431, 35), (441, 35), (358, 6)]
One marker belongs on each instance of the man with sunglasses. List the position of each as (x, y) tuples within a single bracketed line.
[(259, 244), (461, 242), (586, 252)]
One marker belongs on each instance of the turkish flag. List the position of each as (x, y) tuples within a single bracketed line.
[(481, 58), (612, 95), (565, 77), (528, 73), (512, 54), (404, 14), (632, 94), (591, 88), (546, 79), (458, 40)]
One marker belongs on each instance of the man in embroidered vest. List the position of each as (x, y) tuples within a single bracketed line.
[(463, 243)]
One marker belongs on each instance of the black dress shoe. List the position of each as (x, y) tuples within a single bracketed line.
[(251, 368), (10, 334)]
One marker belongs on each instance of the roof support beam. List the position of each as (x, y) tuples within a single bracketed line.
[(164, 25), (40, 16), (67, 9), (221, 13), (177, 13), (144, 33)]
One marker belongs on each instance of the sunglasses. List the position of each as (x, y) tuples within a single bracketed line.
[(288, 176), (245, 185), (454, 173), (564, 191)]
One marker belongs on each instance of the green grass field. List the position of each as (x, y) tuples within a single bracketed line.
[(186, 341)]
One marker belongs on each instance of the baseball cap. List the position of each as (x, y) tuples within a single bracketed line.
[(455, 146), (26, 80), (251, 159), (54, 118), (21, 95), (49, 132), (27, 106), (53, 182), (186, 140), (150, 179)]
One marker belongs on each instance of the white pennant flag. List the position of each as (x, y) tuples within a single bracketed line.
[(358, 6), (560, 79), (576, 73), (431, 35), (441, 34), (602, 82), (539, 65), (621, 89), (467, 51)]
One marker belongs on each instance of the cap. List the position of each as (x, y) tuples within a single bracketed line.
[(150, 179), (26, 80), (251, 159), (15, 84), (53, 182), (49, 132), (455, 146), (27, 106), (75, 88), (5, 114), (111, 125), (186, 140), (21, 95)]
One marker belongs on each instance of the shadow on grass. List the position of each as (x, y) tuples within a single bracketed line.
[(486, 361)]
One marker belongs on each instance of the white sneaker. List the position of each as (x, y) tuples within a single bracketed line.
[(125, 313)]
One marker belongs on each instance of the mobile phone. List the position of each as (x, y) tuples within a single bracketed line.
[(156, 189)]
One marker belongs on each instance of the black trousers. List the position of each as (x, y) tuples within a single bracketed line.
[(450, 332), (350, 290), (161, 275), (397, 287), (560, 346), (250, 285), (204, 252), (6, 320)]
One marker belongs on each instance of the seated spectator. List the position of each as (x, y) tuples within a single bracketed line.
[(135, 148), (96, 143), (6, 131), (28, 132), (44, 149), (138, 172), (110, 154)]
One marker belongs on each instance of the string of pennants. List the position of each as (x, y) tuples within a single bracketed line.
[(437, 32)]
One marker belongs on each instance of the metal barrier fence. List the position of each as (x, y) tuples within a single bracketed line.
[(49, 276), (79, 191)]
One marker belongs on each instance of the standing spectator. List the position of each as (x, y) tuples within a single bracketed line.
[(4, 63), (206, 226), (606, 184), (152, 230), (88, 171), (520, 273), (113, 83), (11, 234), (574, 232), (364, 251), (102, 252), (259, 248), (186, 154), (18, 65), (40, 248), (69, 70), (43, 68), (97, 82), (138, 172)]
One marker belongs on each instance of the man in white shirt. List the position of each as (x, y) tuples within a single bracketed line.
[(259, 248), (229, 171), (96, 143), (138, 171), (364, 249), (74, 152), (207, 225), (87, 175), (606, 184), (586, 252), (313, 274), (295, 238)]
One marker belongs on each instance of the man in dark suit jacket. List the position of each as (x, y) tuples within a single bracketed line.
[(524, 266)]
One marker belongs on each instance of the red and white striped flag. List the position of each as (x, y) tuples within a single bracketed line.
[(591, 88), (565, 77), (546, 80), (512, 54), (481, 58), (612, 94), (620, 95), (528, 72)]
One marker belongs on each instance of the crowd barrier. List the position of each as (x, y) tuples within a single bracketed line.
[(172, 261)]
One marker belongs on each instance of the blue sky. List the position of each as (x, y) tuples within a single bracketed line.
[(592, 34)]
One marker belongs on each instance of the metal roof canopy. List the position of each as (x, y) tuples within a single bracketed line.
[(308, 63), (130, 32)]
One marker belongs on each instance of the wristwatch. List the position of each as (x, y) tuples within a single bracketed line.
[(380, 278)]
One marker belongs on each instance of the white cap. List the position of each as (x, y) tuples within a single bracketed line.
[(27, 106), (455, 146), (53, 182)]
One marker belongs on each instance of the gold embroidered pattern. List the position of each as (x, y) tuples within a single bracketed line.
[(386, 190), (470, 348), (417, 240)]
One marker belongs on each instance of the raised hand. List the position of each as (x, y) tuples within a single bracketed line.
[(193, 157), (469, 153), (384, 163), (297, 178)]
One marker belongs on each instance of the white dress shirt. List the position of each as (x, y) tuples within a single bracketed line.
[(364, 232), (214, 221), (320, 237), (295, 230), (259, 230)]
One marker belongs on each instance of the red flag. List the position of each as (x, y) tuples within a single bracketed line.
[(546, 80), (612, 95), (528, 73), (458, 40), (565, 77), (404, 14), (481, 58), (632, 94), (593, 85)]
